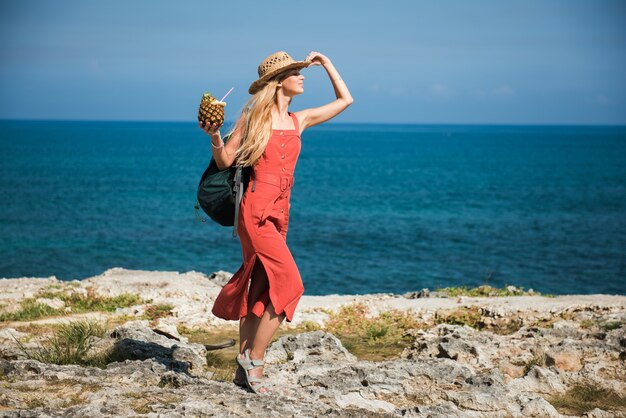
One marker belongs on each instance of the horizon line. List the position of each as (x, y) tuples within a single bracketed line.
[(555, 124)]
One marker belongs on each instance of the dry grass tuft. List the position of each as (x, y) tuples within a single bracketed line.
[(584, 397), (70, 343)]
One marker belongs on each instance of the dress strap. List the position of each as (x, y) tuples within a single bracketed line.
[(295, 122)]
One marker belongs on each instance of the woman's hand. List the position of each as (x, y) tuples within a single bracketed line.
[(317, 59), (212, 129)]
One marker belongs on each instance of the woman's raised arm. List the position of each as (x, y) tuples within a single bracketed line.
[(316, 115)]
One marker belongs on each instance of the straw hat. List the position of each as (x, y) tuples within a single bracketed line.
[(274, 64)]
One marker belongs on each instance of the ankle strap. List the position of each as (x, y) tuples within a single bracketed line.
[(251, 361), (257, 363)]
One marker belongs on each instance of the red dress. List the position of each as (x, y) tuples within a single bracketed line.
[(262, 230)]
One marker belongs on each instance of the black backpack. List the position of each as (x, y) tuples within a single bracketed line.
[(220, 192)]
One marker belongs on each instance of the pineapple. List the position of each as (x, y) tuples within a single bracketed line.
[(211, 110)]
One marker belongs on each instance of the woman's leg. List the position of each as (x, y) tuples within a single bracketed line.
[(254, 332), (248, 324), (268, 325)]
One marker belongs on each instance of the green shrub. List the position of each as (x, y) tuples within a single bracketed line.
[(307, 326), (470, 316), (372, 337), (611, 325), (484, 290), (94, 302), (29, 310)]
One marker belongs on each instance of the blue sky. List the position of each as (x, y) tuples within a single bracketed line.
[(492, 62)]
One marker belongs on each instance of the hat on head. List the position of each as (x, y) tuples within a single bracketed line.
[(275, 64)]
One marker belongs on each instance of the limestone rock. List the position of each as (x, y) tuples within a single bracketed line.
[(537, 407), (566, 360), (510, 369), (528, 354), (137, 341), (460, 343), (566, 329), (220, 278), (424, 293), (538, 380), (167, 328), (316, 346), (355, 399), (599, 413), (9, 347), (10, 334)]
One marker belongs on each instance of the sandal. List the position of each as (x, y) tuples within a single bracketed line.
[(253, 383), (240, 377)]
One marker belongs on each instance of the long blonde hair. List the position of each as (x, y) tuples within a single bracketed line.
[(255, 124)]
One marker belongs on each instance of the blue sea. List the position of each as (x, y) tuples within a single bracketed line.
[(375, 208)]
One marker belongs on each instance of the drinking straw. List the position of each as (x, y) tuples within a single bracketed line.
[(231, 89)]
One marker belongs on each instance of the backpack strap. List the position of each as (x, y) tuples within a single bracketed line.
[(238, 196)]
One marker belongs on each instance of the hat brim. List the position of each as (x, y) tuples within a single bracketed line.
[(254, 87)]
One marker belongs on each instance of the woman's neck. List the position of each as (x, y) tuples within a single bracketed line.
[(281, 108)]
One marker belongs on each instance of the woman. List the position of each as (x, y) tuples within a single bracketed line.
[(267, 287)]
